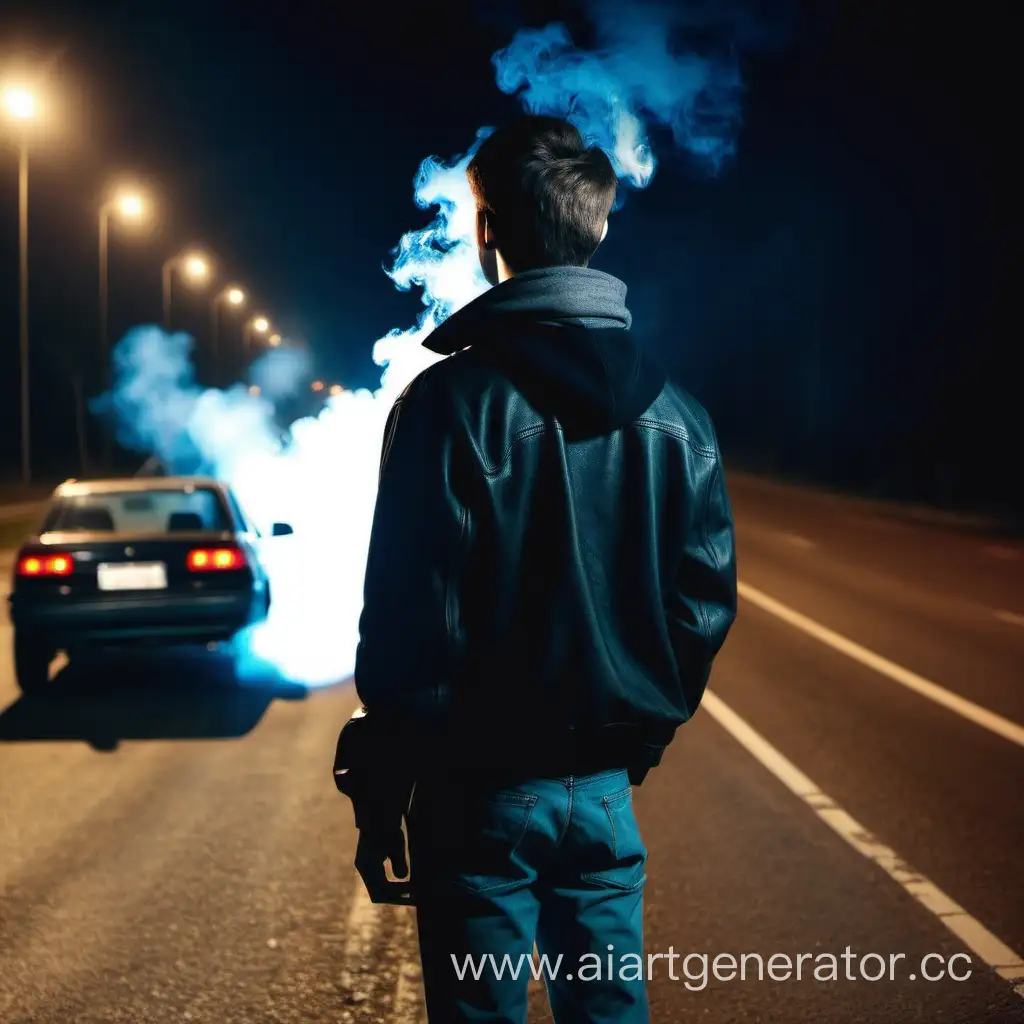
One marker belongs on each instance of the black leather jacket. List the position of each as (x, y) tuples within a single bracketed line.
[(551, 570)]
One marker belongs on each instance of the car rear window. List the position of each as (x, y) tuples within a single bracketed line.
[(156, 511)]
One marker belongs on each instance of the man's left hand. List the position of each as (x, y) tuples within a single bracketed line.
[(374, 848)]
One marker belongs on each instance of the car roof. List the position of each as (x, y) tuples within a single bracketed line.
[(137, 485)]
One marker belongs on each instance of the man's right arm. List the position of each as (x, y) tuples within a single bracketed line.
[(702, 607)]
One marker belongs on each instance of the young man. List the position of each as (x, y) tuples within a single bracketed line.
[(550, 576)]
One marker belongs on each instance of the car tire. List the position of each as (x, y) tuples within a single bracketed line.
[(32, 659)]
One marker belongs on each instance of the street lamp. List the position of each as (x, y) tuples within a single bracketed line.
[(129, 206), (20, 105), (196, 268), (257, 325), (233, 297), (317, 385), (193, 266), (274, 340), (336, 389)]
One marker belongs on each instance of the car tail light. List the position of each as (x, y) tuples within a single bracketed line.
[(45, 565), (214, 559)]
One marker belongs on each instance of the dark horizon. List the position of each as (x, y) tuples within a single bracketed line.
[(837, 297)]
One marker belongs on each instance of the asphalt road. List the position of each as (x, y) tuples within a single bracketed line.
[(172, 849)]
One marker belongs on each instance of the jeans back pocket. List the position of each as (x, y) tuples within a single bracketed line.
[(617, 845), (491, 832)]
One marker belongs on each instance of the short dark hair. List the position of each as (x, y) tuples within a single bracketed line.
[(547, 193)]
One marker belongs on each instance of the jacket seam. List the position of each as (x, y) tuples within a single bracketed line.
[(450, 587), (519, 435), (707, 545), (389, 440), (539, 428), (678, 432)]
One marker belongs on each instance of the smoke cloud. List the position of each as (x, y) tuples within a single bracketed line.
[(321, 474), (645, 70)]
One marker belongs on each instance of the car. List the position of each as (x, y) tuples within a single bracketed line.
[(154, 560)]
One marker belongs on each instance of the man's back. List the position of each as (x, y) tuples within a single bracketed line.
[(592, 576)]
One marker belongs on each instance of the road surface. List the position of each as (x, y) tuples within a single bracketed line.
[(172, 848)]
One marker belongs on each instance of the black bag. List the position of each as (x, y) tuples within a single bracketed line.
[(369, 768), (352, 755)]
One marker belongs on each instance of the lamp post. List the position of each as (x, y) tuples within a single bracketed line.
[(233, 297), (257, 325), (191, 265), (20, 104), (130, 206)]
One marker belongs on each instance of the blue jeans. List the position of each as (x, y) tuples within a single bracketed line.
[(559, 862)]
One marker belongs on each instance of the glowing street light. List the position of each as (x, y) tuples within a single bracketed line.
[(259, 324), (20, 104), (274, 340), (196, 268), (233, 297), (193, 266), (318, 385), (129, 206), (336, 389)]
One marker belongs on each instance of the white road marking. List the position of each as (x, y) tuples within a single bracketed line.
[(361, 929), (1001, 551), (408, 1007), (797, 541), (6, 572), (1007, 963), (359, 966), (1011, 617), (925, 687)]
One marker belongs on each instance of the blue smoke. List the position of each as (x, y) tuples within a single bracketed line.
[(321, 473), (160, 408), (282, 372), (641, 73)]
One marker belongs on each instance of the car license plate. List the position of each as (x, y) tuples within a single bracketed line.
[(131, 576)]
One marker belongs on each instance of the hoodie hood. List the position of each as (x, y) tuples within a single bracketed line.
[(561, 336), (578, 295)]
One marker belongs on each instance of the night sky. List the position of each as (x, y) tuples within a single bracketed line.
[(839, 297)]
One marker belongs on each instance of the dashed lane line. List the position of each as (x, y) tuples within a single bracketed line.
[(797, 540), (1009, 617)]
